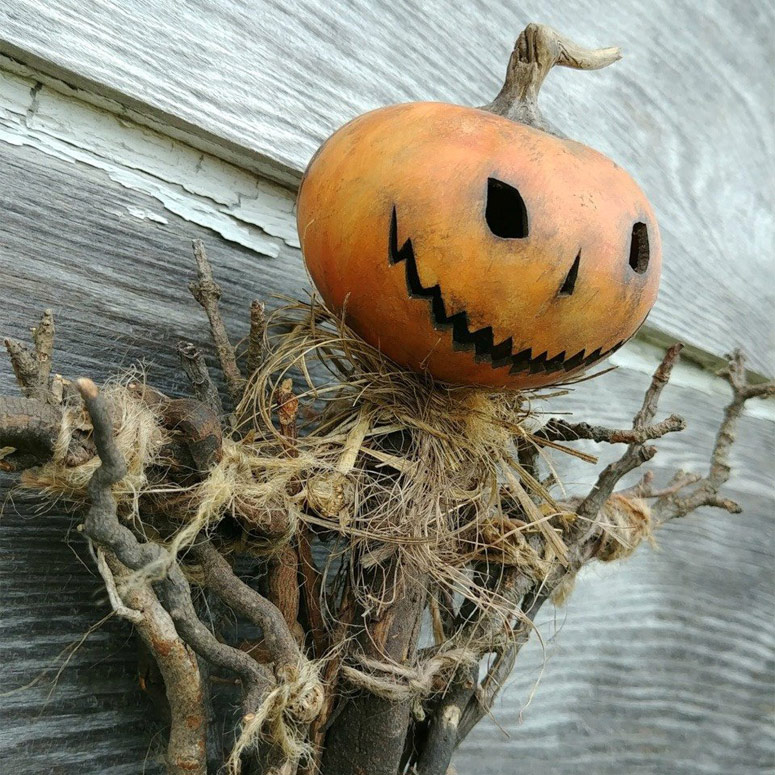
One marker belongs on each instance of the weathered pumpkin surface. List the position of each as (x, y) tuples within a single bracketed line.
[(480, 249)]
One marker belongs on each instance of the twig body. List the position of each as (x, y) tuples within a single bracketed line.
[(377, 656), (186, 749), (207, 292)]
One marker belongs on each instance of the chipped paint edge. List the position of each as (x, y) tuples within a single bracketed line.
[(27, 65), (240, 206)]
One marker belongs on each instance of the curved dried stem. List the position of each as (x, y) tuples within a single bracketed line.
[(537, 50)]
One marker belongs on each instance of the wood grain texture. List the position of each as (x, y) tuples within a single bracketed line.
[(688, 110), (660, 665), (116, 284)]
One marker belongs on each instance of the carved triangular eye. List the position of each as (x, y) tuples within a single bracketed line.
[(639, 248), (571, 277), (506, 214)]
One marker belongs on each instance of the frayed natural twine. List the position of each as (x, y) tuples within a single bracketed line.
[(406, 471), (283, 716), (625, 522), (139, 435), (397, 683), (417, 475)]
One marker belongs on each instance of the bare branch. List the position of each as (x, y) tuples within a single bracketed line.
[(501, 668), (283, 574), (103, 527), (25, 367), (287, 412), (202, 384), (31, 428), (219, 577), (442, 738), (43, 338), (283, 585), (199, 428), (132, 615), (310, 588), (561, 430), (33, 370), (636, 453), (670, 503), (581, 547), (207, 292), (256, 335), (645, 487), (186, 749), (331, 676)]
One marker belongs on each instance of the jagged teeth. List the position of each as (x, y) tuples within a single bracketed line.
[(482, 340)]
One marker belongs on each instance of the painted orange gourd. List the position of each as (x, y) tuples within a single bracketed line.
[(477, 248)]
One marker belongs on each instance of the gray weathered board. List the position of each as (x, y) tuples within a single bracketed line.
[(660, 665), (688, 110)]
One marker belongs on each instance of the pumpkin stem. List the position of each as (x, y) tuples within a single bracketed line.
[(537, 50)]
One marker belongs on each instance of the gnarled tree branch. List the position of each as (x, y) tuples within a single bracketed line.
[(138, 603), (207, 292), (218, 576), (103, 527)]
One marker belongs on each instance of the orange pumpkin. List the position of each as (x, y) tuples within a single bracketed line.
[(475, 247)]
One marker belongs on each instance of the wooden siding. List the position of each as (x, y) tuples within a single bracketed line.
[(662, 664), (687, 110)]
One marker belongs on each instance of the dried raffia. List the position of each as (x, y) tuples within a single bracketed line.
[(397, 465), (419, 475), (282, 717)]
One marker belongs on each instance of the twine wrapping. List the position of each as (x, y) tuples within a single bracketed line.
[(283, 716), (398, 683)]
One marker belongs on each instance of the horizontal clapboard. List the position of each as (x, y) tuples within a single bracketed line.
[(660, 664), (263, 82)]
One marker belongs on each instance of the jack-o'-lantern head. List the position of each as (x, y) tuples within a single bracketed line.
[(478, 248)]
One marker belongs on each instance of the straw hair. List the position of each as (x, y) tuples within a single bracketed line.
[(397, 472), (424, 475)]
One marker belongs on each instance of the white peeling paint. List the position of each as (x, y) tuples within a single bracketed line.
[(236, 204), (145, 215)]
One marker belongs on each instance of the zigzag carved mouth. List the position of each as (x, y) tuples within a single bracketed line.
[(481, 341)]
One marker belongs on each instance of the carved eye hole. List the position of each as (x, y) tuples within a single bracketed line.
[(506, 214), (639, 248), (570, 279)]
